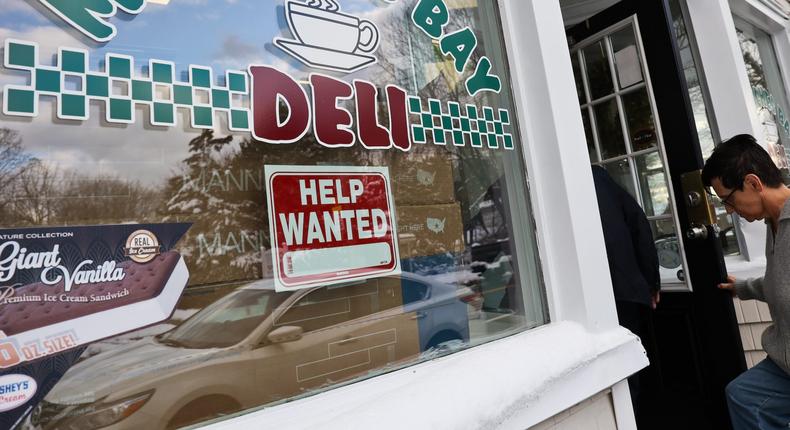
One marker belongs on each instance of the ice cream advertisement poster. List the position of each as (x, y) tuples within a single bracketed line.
[(65, 287)]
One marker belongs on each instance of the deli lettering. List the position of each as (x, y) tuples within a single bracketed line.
[(333, 126)]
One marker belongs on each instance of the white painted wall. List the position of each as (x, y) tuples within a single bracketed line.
[(594, 413), (561, 185)]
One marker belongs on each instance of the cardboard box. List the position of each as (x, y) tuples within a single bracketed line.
[(423, 179), (429, 229)]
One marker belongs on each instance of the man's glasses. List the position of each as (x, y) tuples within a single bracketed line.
[(723, 201)]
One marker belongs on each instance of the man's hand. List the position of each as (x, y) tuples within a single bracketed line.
[(729, 285), (654, 299)]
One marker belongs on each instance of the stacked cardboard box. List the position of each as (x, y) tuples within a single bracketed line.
[(428, 216)]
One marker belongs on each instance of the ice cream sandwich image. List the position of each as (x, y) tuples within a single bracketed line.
[(147, 294)]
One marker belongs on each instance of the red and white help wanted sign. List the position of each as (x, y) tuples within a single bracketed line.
[(330, 224)]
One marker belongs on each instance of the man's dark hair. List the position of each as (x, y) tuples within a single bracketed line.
[(737, 157)]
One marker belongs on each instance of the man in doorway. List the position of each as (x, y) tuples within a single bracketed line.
[(633, 261), (748, 182)]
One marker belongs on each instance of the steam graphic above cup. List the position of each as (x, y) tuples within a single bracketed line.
[(329, 5), (327, 38)]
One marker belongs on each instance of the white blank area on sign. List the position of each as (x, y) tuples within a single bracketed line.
[(339, 259)]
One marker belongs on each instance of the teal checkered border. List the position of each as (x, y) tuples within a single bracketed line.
[(459, 126), (121, 89)]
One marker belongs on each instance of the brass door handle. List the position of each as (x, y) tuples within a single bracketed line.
[(700, 211)]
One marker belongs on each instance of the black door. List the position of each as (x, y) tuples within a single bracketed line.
[(693, 342)]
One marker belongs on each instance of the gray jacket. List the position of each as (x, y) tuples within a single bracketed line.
[(774, 289)]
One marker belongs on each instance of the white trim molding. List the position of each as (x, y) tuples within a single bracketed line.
[(513, 383)]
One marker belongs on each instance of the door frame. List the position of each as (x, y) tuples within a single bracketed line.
[(699, 345)]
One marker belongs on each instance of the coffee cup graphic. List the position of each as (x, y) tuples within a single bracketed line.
[(331, 30), (327, 38)]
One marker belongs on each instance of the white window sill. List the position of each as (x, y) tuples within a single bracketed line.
[(514, 382)]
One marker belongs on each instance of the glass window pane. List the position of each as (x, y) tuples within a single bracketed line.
[(599, 75), (768, 89), (626, 58), (653, 184), (588, 133), (470, 271), (610, 131), (694, 84), (577, 76), (620, 171), (670, 260), (639, 116)]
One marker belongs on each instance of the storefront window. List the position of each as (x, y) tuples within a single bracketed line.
[(768, 89), (159, 120)]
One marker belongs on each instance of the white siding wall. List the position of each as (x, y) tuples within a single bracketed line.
[(753, 318), (595, 413)]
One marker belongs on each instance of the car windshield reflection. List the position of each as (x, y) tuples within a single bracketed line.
[(226, 322)]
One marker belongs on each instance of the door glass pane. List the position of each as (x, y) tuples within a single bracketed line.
[(639, 116), (626, 58), (599, 75), (653, 184), (577, 76), (670, 262), (636, 164), (610, 132), (620, 171), (589, 135), (727, 237)]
